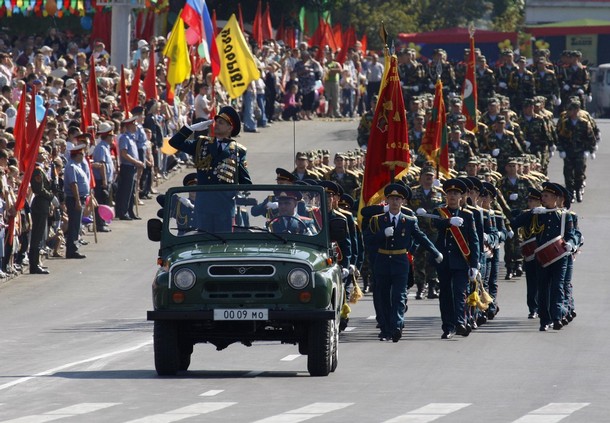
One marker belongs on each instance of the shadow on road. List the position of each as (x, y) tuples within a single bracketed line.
[(196, 374)]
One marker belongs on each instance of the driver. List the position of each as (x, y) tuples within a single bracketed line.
[(288, 221)]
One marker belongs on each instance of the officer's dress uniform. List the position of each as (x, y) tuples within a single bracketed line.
[(261, 208), (41, 205), (294, 224), (218, 162), (391, 266), (453, 270)]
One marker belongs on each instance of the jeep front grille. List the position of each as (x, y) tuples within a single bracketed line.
[(239, 289), (241, 271)]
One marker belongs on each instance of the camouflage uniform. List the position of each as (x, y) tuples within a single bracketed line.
[(537, 134), (486, 86), (424, 271), (415, 140), (364, 127), (520, 87), (546, 85), (348, 180), (502, 77), (575, 138), (508, 145), (512, 252), (412, 78), (462, 153)]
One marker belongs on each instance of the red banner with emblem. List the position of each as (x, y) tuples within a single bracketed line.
[(469, 91), (388, 147)]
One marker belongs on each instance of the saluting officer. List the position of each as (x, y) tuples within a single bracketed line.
[(458, 243), (219, 160), (395, 233)]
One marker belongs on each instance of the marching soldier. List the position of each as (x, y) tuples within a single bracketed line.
[(546, 83), (505, 67), (459, 148), (486, 82), (301, 170), (521, 84), (411, 73), (502, 144), (342, 176), (395, 233), (537, 137)]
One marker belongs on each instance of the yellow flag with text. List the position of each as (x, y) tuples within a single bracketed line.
[(176, 49), (237, 65)]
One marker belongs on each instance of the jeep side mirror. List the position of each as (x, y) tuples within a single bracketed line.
[(338, 229), (154, 227)]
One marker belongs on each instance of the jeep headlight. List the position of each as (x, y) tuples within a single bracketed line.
[(185, 279), (298, 278)]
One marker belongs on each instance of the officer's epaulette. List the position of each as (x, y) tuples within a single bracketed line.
[(326, 176), (206, 138), (510, 132), (465, 210), (407, 211), (351, 172), (240, 146), (409, 217), (344, 212)]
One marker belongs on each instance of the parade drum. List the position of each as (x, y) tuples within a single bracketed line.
[(528, 249), (551, 251)]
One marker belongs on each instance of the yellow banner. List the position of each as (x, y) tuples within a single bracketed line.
[(237, 65), (179, 68)]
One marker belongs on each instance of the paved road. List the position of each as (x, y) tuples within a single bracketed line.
[(75, 345)]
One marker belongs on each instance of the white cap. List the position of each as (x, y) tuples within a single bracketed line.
[(142, 43)]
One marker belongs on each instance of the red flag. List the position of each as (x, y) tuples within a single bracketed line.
[(280, 34), (257, 26), (214, 24), (241, 17), (365, 43), (150, 80), (338, 37), (317, 36), (469, 91), (85, 120), (123, 93), (31, 125), (135, 88), (266, 24), (388, 146), (92, 89), (19, 129), (435, 144), (31, 153), (290, 39), (349, 40)]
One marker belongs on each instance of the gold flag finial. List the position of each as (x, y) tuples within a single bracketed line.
[(471, 29), (383, 34)]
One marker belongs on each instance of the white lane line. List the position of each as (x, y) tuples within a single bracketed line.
[(71, 411), (349, 328), (291, 357), (371, 318), (193, 410), (552, 413), (428, 413), (211, 392), (75, 363), (307, 412)]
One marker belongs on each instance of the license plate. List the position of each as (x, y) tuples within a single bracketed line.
[(241, 314)]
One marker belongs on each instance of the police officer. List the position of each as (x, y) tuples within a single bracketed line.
[(458, 243), (128, 151), (76, 190), (219, 160), (395, 234)]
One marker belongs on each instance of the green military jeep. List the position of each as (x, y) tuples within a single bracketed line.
[(271, 274)]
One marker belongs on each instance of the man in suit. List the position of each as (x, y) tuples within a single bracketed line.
[(395, 233), (219, 160), (458, 242)]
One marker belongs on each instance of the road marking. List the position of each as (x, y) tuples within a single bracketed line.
[(371, 318), (75, 363), (349, 328), (310, 411), (189, 411), (429, 412), (71, 411), (212, 392), (552, 413), (291, 357)]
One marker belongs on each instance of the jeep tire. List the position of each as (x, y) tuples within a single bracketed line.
[(321, 347), (167, 353)]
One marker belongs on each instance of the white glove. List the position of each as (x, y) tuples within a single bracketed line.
[(586, 154), (566, 87), (485, 237), (186, 202), (568, 247), (473, 272), (456, 221), (552, 148), (344, 273), (431, 86), (580, 91), (421, 211), (386, 208), (201, 126), (513, 196), (389, 231), (527, 144), (55, 202), (502, 85), (436, 183), (539, 210), (352, 269), (589, 98), (562, 154), (557, 101), (593, 156), (495, 152), (510, 234), (439, 258), (415, 88), (272, 205)]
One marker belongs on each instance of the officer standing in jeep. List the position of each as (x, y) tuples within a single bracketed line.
[(219, 160)]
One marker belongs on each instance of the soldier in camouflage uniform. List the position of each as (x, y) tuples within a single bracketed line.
[(486, 82), (514, 188), (546, 83), (425, 198), (447, 73), (505, 66), (459, 148), (364, 127), (521, 84), (412, 74), (576, 142), (343, 177), (502, 144), (416, 135), (538, 140)]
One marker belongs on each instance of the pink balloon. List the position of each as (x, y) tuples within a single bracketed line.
[(192, 37), (106, 212)]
